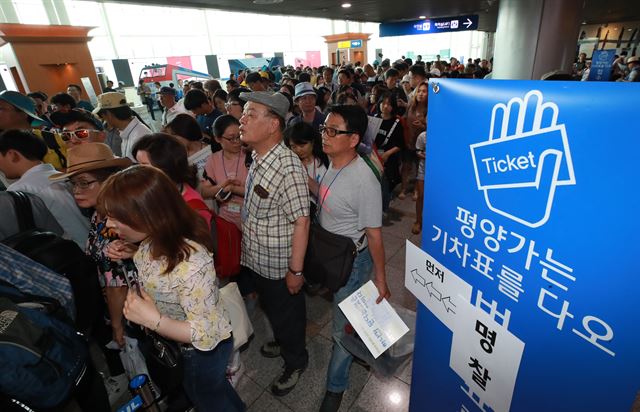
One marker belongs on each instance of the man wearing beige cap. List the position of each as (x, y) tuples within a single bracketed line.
[(275, 227), (114, 109), (305, 98), (633, 63)]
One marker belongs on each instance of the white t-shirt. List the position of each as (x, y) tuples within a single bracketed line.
[(57, 198), (350, 200), (130, 135)]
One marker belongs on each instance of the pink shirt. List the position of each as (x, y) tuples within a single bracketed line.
[(220, 170), (193, 199)]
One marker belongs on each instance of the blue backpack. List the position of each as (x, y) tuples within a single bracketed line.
[(42, 358)]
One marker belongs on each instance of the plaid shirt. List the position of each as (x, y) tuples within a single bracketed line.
[(276, 195), (31, 277)]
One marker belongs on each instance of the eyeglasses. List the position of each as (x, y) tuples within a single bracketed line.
[(229, 104), (232, 139), (332, 131), (82, 184), (80, 134)]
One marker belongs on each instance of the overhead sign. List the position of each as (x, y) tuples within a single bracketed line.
[(349, 44), (430, 26), (528, 271), (601, 65)]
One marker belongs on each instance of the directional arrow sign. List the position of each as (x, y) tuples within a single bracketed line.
[(433, 291), (417, 278), (430, 294), (448, 304), (430, 26)]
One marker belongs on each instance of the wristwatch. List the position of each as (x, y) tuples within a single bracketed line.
[(293, 272)]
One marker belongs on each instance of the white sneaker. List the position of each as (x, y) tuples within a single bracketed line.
[(233, 375)]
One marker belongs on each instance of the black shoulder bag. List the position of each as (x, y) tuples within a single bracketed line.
[(329, 257)]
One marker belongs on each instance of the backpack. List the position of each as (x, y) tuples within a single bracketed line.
[(227, 240), (42, 359), (62, 256)]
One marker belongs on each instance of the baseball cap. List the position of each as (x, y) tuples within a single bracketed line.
[(275, 101), (110, 100), (168, 90), (20, 102), (405, 79), (303, 89), (75, 115)]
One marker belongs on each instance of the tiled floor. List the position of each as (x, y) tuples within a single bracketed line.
[(367, 392)]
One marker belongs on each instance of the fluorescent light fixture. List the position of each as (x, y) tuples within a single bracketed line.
[(346, 5), (422, 17)]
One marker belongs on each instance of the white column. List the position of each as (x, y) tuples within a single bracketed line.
[(534, 37)]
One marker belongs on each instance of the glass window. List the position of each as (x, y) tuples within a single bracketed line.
[(31, 12)]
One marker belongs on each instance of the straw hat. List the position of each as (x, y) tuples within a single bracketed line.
[(90, 156)]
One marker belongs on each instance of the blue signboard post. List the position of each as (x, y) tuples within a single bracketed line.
[(528, 273), (430, 26), (601, 65)]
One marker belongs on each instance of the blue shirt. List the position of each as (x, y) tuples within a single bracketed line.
[(206, 121), (83, 104)]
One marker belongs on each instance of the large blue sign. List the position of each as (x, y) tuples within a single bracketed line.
[(601, 65), (530, 210), (430, 26)]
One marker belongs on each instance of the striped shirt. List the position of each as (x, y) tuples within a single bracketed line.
[(33, 278), (276, 195)]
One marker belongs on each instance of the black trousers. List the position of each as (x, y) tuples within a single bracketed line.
[(288, 317)]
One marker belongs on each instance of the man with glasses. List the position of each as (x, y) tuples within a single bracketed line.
[(18, 111), (78, 127), (275, 228), (350, 205), (115, 111), (21, 157)]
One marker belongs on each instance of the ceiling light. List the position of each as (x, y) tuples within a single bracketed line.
[(422, 17), (346, 5), (263, 2)]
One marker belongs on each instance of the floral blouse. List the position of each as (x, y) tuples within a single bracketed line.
[(188, 293), (110, 273)]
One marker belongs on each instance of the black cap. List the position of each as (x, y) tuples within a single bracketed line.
[(76, 115), (253, 77)]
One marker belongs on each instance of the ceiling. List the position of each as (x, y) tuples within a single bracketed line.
[(595, 11)]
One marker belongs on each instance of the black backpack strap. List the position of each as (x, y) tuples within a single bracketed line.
[(50, 139), (24, 213)]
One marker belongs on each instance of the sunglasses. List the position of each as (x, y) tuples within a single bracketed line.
[(80, 134)]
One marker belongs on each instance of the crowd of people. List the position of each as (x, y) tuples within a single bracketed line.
[(270, 153)]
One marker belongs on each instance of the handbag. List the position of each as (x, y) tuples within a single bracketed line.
[(238, 316), (329, 257), (164, 361)]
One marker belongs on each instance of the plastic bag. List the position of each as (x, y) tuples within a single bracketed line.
[(238, 316), (132, 359), (393, 358)]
